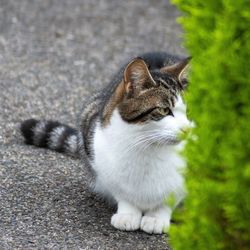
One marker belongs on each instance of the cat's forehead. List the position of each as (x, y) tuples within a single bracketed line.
[(167, 87), (166, 81)]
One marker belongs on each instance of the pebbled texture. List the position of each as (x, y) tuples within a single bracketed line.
[(54, 53)]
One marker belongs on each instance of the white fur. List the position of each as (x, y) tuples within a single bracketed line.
[(71, 144), (128, 217), (157, 220), (138, 165)]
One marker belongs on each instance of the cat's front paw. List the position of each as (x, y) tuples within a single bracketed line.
[(154, 225), (127, 222)]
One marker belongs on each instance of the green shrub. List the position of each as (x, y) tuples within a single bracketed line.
[(216, 214)]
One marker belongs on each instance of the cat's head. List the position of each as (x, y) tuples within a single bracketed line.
[(151, 100)]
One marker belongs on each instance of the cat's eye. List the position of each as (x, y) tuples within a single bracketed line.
[(165, 111)]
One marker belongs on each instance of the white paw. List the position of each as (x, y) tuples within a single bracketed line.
[(127, 222), (153, 225)]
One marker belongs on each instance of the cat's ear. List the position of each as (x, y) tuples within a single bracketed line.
[(178, 70), (137, 75)]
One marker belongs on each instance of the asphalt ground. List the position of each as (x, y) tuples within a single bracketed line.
[(53, 55)]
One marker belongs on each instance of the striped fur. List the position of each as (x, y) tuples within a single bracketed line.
[(52, 135)]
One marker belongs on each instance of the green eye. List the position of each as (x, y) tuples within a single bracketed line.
[(165, 111)]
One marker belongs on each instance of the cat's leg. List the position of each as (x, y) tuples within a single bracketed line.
[(127, 217), (157, 220)]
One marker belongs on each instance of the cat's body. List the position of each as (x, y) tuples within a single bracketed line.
[(129, 134), (142, 176)]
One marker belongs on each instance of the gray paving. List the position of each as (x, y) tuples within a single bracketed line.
[(53, 54)]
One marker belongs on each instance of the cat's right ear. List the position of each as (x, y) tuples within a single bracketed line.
[(178, 70), (136, 74)]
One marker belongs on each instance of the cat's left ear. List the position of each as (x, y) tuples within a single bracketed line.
[(178, 70), (137, 76)]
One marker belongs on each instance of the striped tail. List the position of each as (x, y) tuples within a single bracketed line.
[(52, 135)]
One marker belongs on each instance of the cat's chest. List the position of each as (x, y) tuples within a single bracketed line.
[(137, 167), (149, 166)]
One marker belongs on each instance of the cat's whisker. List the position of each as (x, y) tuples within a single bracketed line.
[(147, 141)]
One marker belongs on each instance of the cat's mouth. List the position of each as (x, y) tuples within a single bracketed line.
[(170, 139), (173, 140), (173, 137)]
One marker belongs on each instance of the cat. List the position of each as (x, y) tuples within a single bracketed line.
[(128, 135)]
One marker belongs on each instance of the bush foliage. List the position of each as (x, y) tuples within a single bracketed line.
[(216, 214)]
